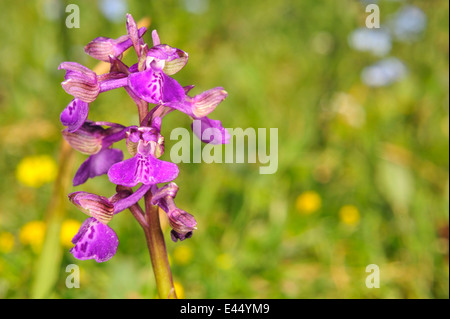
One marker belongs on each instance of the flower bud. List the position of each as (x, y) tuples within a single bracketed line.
[(133, 33), (93, 205), (182, 223)]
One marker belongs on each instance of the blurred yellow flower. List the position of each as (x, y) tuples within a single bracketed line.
[(308, 202), (163, 219), (6, 242), (34, 171), (182, 254), (224, 261), (349, 215), (33, 233), (179, 289), (69, 228)]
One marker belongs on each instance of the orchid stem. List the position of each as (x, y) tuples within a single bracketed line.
[(158, 252), (138, 214)]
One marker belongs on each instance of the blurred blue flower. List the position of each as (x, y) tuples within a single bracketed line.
[(113, 10), (366, 2), (384, 72), (52, 9), (408, 23), (375, 41)]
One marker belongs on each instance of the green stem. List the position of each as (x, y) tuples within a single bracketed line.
[(49, 262), (158, 253)]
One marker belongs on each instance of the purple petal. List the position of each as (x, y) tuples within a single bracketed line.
[(78, 72), (170, 190), (184, 106), (155, 38), (97, 164), (74, 115), (172, 90), (80, 82), (132, 199), (206, 102), (102, 48), (210, 131), (155, 87), (93, 205), (147, 85), (142, 169), (132, 31), (94, 240)]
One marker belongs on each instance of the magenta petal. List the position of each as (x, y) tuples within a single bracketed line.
[(94, 240), (74, 115), (147, 85), (124, 203), (210, 131), (163, 172), (142, 169), (97, 164), (172, 91), (123, 173), (156, 87)]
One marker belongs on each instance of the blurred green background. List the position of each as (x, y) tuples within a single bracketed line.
[(362, 169)]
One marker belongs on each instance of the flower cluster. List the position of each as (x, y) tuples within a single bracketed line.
[(147, 82)]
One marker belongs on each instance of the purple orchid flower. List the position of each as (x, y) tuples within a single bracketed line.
[(182, 223), (153, 84), (174, 59), (143, 167), (94, 140), (95, 239), (147, 81), (85, 85)]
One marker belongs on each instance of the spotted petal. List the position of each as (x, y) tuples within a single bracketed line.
[(142, 169), (155, 87), (74, 115), (94, 240)]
